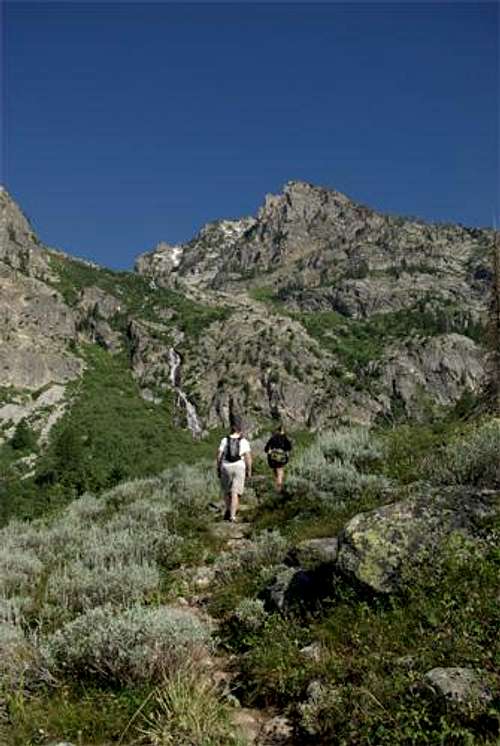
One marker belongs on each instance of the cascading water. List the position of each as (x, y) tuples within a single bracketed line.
[(193, 422)]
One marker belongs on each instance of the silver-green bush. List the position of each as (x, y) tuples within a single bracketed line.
[(138, 644), (19, 569), (77, 587), (332, 468), (470, 459)]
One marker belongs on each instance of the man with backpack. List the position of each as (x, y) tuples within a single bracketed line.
[(234, 462)]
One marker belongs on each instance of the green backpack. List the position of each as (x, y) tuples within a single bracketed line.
[(278, 456)]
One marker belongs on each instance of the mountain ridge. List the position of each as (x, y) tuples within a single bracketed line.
[(317, 308)]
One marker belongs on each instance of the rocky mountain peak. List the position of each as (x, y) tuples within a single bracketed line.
[(19, 245), (13, 223)]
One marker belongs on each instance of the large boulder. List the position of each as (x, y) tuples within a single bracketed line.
[(376, 545)]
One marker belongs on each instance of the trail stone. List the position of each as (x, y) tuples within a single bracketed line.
[(312, 552), (312, 652), (249, 722), (277, 731), (294, 588)]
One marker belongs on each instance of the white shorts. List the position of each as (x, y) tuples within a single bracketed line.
[(232, 477)]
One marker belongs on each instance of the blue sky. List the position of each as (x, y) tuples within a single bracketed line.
[(129, 123)]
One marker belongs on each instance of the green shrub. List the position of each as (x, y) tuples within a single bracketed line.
[(24, 439), (76, 713), (14, 653), (272, 669), (268, 549)]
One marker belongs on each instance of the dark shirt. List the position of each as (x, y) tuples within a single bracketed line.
[(278, 441)]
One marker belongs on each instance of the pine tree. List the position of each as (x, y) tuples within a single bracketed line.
[(24, 438)]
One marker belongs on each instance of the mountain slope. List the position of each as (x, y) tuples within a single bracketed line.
[(317, 310)]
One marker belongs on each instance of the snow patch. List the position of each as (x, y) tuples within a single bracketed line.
[(176, 255)]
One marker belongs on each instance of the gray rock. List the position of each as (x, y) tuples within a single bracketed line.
[(465, 688), (313, 652), (374, 546), (19, 246), (300, 589), (96, 301), (312, 552), (321, 250), (276, 594), (436, 370), (278, 731)]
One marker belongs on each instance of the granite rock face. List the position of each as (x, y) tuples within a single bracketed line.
[(36, 327), (312, 552), (430, 371)]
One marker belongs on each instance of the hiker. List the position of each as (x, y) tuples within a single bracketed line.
[(277, 448), (234, 462)]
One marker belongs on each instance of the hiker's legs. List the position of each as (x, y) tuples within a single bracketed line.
[(234, 505), (233, 482), (237, 486), (279, 473), (225, 483)]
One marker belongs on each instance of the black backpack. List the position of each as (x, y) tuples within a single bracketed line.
[(232, 450)]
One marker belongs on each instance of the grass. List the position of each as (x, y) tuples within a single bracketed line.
[(75, 713), (188, 710)]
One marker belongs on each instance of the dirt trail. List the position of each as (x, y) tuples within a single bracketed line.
[(260, 727)]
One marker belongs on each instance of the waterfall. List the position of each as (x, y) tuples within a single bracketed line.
[(193, 422)]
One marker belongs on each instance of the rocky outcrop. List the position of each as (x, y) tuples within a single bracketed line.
[(419, 373), (260, 364), (96, 301), (41, 411), (95, 310), (376, 546), (20, 249), (149, 356), (161, 264), (321, 250), (36, 327)]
